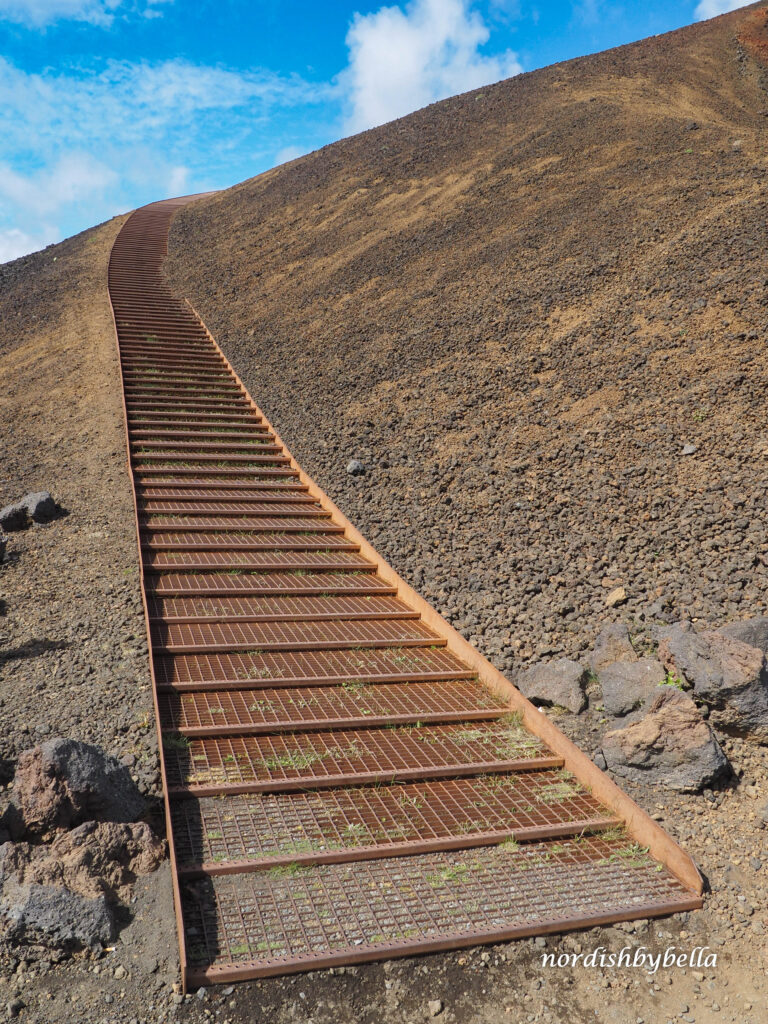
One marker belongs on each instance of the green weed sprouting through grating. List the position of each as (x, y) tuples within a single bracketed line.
[(510, 845), (294, 760), (287, 870), (633, 855), (555, 792), (472, 735), (354, 686), (498, 781), (452, 873)]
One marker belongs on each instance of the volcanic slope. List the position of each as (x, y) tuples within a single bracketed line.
[(73, 653), (517, 308)]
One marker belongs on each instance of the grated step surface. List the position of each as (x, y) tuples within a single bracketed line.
[(250, 831), (273, 922), (340, 785)]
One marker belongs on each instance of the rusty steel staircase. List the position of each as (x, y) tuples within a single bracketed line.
[(346, 779)]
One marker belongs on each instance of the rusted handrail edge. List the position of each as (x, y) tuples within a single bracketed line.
[(638, 822)]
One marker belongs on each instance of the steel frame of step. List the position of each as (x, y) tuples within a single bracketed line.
[(346, 779)]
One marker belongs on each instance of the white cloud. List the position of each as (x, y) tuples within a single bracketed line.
[(288, 153), (402, 60), (73, 178), (15, 243), (38, 14), (711, 8), (177, 181), (126, 103), (80, 145)]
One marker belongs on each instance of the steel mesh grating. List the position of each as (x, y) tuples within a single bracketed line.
[(275, 559), (226, 710), (280, 760), (308, 715), (267, 583), (293, 636), (270, 827), (277, 609), (295, 522), (250, 541), (271, 921), (299, 506), (307, 667)]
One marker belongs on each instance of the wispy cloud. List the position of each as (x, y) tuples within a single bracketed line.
[(711, 8), (400, 60), (90, 141), (14, 242), (39, 14), (71, 179)]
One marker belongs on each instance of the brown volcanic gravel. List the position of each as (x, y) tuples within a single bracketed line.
[(516, 308), (73, 653)]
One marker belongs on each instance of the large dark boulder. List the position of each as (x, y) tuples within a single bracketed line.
[(727, 674), (63, 783), (753, 632), (612, 645), (555, 683), (629, 685), (672, 746), (55, 917)]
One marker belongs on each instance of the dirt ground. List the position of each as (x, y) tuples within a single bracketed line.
[(516, 308)]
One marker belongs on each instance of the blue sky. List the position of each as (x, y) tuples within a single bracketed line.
[(109, 104)]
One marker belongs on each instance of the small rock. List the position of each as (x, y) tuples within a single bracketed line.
[(616, 597), (355, 467), (435, 1007), (671, 746), (38, 507), (14, 1007), (628, 685), (612, 645), (689, 449), (201, 994), (559, 683), (120, 972)]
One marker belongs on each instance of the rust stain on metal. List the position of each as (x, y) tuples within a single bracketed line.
[(346, 779)]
